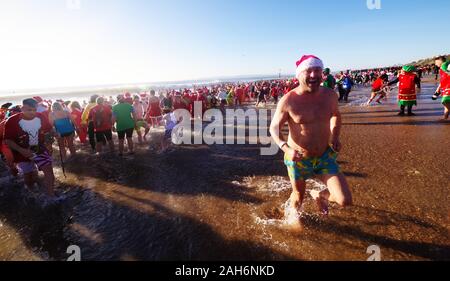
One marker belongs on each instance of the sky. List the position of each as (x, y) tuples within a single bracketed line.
[(57, 43)]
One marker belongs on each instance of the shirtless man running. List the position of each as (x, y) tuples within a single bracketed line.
[(312, 114)]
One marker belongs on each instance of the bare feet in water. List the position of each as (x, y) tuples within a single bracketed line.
[(321, 202), (292, 213), (292, 218)]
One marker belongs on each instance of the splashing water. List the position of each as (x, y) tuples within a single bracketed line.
[(292, 215)]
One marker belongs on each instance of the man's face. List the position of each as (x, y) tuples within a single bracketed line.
[(311, 78), (28, 112), (438, 63)]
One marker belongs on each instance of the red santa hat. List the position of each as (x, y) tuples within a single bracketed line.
[(308, 61), (38, 99)]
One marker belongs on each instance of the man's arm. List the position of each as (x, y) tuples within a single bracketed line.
[(437, 93), (335, 124), (14, 146), (279, 120), (9, 135), (395, 81)]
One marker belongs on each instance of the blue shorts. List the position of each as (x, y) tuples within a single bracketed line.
[(168, 134), (308, 167)]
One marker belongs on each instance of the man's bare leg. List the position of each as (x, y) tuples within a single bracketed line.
[(99, 147), (382, 96), (121, 146), (295, 202), (147, 130), (139, 134), (49, 180), (447, 111), (337, 191), (372, 97), (30, 179), (62, 148), (130, 145), (71, 146)]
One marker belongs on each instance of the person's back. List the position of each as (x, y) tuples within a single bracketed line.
[(76, 116), (62, 122), (101, 115), (86, 111), (138, 108), (347, 83), (123, 115), (154, 108)]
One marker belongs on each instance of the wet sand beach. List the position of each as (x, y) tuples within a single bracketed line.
[(225, 202)]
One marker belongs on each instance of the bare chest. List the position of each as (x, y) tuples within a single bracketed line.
[(310, 113)]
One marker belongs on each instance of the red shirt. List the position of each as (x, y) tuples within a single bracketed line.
[(445, 83), (274, 92), (239, 93), (154, 109), (14, 132), (2, 131), (101, 115), (376, 86), (76, 116)]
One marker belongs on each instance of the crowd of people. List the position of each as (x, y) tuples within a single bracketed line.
[(28, 131)]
